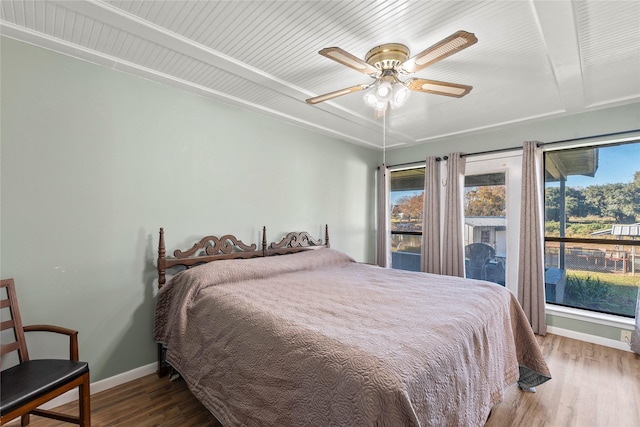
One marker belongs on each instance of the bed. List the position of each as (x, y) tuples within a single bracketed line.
[(313, 338)]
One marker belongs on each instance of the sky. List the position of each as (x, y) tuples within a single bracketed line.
[(615, 164)]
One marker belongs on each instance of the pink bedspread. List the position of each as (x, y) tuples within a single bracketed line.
[(315, 339)]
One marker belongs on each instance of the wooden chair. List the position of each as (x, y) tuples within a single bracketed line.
[(31, 383)]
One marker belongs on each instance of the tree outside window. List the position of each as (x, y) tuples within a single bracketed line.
[(592, 227)]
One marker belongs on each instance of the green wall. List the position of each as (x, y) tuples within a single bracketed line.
[(596, 122), (94, 161)]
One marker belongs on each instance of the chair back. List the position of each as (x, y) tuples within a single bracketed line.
[(10, 320), (29, 384), (477, 255)]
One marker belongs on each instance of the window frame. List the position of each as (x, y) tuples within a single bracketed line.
[(579, 313), (399, 168)]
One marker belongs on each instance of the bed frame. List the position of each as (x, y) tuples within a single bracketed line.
[(212, 248)]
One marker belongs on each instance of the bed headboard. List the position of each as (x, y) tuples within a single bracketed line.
[(212, 248)]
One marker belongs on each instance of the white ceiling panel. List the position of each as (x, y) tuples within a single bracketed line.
[(610, 51), (533, 59)]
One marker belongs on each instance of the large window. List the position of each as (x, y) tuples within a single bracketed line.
[(492, 196), (592, 227), (407, 200)]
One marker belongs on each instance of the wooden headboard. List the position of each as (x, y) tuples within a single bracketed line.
[(212, 248)]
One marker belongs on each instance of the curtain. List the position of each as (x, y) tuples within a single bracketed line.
[(531, 258), (383, 249), (431, 218), (452, 250), (635, 338)]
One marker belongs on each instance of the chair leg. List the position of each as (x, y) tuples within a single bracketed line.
[(84, 402), (24, 420)]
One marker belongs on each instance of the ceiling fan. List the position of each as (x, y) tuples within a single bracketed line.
[(386, 62)]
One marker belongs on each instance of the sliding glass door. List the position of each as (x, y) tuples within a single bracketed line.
[(485, 227), (491, 217)]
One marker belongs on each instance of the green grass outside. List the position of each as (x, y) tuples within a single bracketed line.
[(611, 278), (606, 292)]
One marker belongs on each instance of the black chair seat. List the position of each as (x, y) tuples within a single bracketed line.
[(33, 378)]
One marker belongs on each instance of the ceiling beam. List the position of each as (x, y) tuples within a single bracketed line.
[(557, 23)]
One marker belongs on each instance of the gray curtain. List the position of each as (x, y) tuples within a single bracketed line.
[(635, 338), (431, 218), (531, 257), (452, 249), (383, 247)]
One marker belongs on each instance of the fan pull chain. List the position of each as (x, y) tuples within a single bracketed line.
[(384, 137)]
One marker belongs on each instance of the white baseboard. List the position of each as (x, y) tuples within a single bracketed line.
[(594, 339), (104, 384)]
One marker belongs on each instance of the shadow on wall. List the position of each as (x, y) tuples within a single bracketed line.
[(136, 347)]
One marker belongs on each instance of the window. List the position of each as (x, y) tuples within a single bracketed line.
[(485, 227), (486, 173), (492, 216), (407, 199), (592, 227)]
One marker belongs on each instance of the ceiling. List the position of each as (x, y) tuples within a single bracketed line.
[(533, 59)]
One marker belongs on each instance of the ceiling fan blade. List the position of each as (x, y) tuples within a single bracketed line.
[(438, 88), (444, 48), (345, 58), (335, 94)]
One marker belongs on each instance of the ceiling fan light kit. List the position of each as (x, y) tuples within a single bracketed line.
[(385, 62), (382, 94)]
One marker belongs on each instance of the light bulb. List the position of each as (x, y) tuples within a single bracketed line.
[(400, 95), (370, 98), (383, 91)]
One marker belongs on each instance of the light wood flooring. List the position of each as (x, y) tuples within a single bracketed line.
[(591, 386)]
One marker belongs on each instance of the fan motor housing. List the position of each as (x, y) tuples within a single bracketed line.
[(387, 56)]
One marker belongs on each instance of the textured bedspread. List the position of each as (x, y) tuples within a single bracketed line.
[(315, 339)]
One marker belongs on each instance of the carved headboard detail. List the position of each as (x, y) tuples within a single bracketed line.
[(296, 242), (213, 245), (212, 248)]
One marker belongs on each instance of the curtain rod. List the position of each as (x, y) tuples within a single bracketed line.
[(540, 144), (603, 135)]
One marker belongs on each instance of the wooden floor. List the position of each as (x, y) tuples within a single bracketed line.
[(591, 386)]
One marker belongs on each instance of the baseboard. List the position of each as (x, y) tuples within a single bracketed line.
[(104, 384), (594, 339)]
